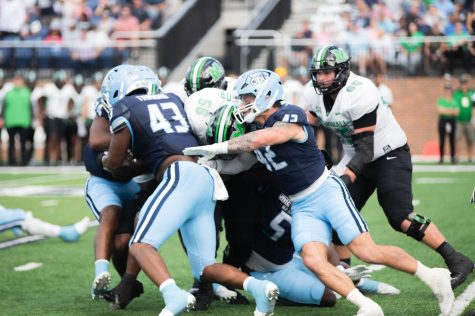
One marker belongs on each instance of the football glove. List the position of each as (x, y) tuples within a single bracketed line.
[(207, 151), (358, 272), (472, 198)]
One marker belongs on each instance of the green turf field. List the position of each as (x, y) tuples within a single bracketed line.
[(62, 285)]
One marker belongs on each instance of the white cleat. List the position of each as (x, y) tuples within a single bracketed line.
[(189, 306), (370, 308), (100, 285), (272, 294), (387, 289), (224, 294), (441, 287)]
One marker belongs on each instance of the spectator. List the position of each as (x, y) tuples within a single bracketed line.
[(358, 46), (139, 11), (470, 20), (465, 98), (17, 117), (448, 112), (84, 54), (458, 48), (434, 51), (12, 19), (412, 48)]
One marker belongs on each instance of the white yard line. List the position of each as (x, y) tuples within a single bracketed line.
[(41, 179), (463, 300)]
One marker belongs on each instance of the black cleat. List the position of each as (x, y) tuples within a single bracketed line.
[(120, 296), (204, 296), (239, 299), (460, 267)]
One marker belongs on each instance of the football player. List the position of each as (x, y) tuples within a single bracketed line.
[(156, 129), (320, 200), (376, 153), (110, 197), (206, 72), (270, 253), (19, 219)]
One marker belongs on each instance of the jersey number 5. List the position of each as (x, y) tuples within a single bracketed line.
[(279, 224), (162, 117)]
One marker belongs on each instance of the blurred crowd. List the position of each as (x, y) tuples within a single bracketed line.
[(88, 25), (425, 37)]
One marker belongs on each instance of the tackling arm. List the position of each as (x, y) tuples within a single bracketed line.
[(100, 136), (279, 133), (117, 150)]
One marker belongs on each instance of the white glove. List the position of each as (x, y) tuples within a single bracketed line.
[(357, 272), (472, 198), (208, 151)]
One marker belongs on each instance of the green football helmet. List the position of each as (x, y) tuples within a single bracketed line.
[(330, 57), (204, 72)]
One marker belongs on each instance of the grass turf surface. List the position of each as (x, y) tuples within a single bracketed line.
[(62, 285)]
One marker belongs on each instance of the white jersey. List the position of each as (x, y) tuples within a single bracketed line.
[(358, 97), (199, 107)]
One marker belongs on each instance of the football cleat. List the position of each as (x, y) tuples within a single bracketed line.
[(204, 296), (368, 286), (100, 285), (440, 285), (239, 299), (182, 301), (370, 308), (120, 296), (265, 294), (460, 267)]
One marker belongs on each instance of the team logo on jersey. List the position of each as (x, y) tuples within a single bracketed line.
[(287, 203)]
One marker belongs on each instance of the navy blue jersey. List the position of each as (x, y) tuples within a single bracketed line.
[(158, 126), (274, 241), (294, 165), (93, 166)]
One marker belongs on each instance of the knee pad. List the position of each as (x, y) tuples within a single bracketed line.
[(418, 226)]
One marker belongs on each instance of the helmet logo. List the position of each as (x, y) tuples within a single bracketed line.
[(215, 72), (256, 80)]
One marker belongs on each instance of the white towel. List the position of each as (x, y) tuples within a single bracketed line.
[(220, 192)]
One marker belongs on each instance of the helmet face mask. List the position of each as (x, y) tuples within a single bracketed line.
[(330, 58), (223, 126), (204, 72), (125, 80), (266, 88)]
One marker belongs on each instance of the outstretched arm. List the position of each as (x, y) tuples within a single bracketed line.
[(279, 133)]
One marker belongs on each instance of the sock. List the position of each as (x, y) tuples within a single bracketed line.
[(102, 265), (423, 272), (248, 283), (445, 250), (356, 297), (129, 277), (36, 226)]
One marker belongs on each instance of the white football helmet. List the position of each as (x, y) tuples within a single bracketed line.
[(264, 85)]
